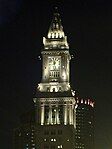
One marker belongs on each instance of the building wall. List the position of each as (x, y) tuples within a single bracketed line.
[(34, 136), (55, 136), (84, 124), (25, 136)]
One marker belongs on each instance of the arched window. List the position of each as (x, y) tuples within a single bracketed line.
[(53, 89)]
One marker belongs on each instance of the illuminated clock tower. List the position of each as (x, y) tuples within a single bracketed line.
[(54, 99)]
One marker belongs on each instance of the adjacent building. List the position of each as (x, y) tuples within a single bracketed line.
[(84, 124), (24, 136)]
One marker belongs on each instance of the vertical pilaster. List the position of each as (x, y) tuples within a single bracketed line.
[(70, 114), (42, 114), (74, 116), (50, 114), (65, 114), (57, 114), (56, 106)]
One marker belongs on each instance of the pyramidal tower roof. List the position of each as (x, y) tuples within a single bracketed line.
[(56, 37), (56, 28)]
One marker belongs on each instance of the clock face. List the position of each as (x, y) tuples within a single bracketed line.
[(54, 63)]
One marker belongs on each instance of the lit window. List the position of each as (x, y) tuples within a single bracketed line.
[(53, 132), (59, 132), (46, 132), (33, 130), (52, 147), (46, 147), (60, 146), (53, 140)]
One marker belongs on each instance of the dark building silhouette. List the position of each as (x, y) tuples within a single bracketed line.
[(24, 136), (84, 124)]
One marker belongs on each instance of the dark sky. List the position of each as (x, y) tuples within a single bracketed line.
[(88, 25)]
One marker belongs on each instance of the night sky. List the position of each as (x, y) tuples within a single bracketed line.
[(88, 25)]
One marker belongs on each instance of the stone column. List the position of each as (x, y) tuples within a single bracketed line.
[(42, 114), (50, 114), (65, 114), (55, 121), (57, 115), (70, 114), (74, 116)]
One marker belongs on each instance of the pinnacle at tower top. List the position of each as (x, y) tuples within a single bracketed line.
[(56, 37)]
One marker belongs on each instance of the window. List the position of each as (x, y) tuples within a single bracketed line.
[(52, 147), (54, 35), (53, 89), (48, 89), (53, 132), (46, 132), (59, 88), (46, 114), (45, 140), (46, 147), (59, 132), (60, 114), (53, 140), (60, 146)]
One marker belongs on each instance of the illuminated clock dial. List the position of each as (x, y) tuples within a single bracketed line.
[(54, 63)]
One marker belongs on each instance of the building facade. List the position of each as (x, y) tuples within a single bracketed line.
[(24, 136), (54, 99), (84, 124), (61, 120)]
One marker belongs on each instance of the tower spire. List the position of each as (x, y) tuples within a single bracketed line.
[(56, 28), (56, 37)]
